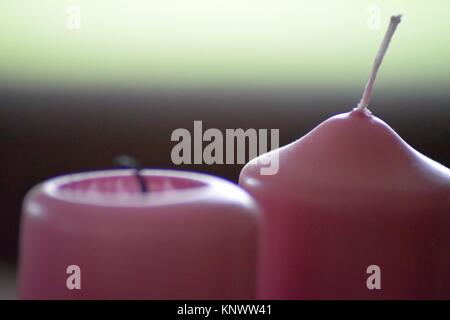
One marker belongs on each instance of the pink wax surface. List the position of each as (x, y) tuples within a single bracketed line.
[(350, 194), (192, 236)]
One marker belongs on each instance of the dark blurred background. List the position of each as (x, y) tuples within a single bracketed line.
[(74, 94)]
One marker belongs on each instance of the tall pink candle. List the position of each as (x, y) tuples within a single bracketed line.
[(354, 212), (192, 236)]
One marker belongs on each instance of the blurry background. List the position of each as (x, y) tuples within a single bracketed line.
[(83, 81)]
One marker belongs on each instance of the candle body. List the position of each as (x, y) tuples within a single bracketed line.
[(351, 197), (192, 237)]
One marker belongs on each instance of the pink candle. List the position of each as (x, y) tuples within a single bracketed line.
[(354, 212), (192, 236)]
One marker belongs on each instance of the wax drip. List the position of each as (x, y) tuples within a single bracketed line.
[(132, 163), (367, 95)]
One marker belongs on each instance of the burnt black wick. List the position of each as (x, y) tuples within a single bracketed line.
[(131, 163)]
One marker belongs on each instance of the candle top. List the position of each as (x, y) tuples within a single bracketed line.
[(352, 152), (119, 188)]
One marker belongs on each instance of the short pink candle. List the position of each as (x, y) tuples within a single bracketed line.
[(192, 236)]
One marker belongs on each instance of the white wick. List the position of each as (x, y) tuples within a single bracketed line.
[(367, 95)]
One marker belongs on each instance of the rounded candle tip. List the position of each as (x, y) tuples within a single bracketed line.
[(361, 112)]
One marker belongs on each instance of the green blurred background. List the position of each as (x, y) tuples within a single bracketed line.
[(222, 43)]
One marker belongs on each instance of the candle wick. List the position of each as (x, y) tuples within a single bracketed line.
[(367, 95), (132, 163)]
